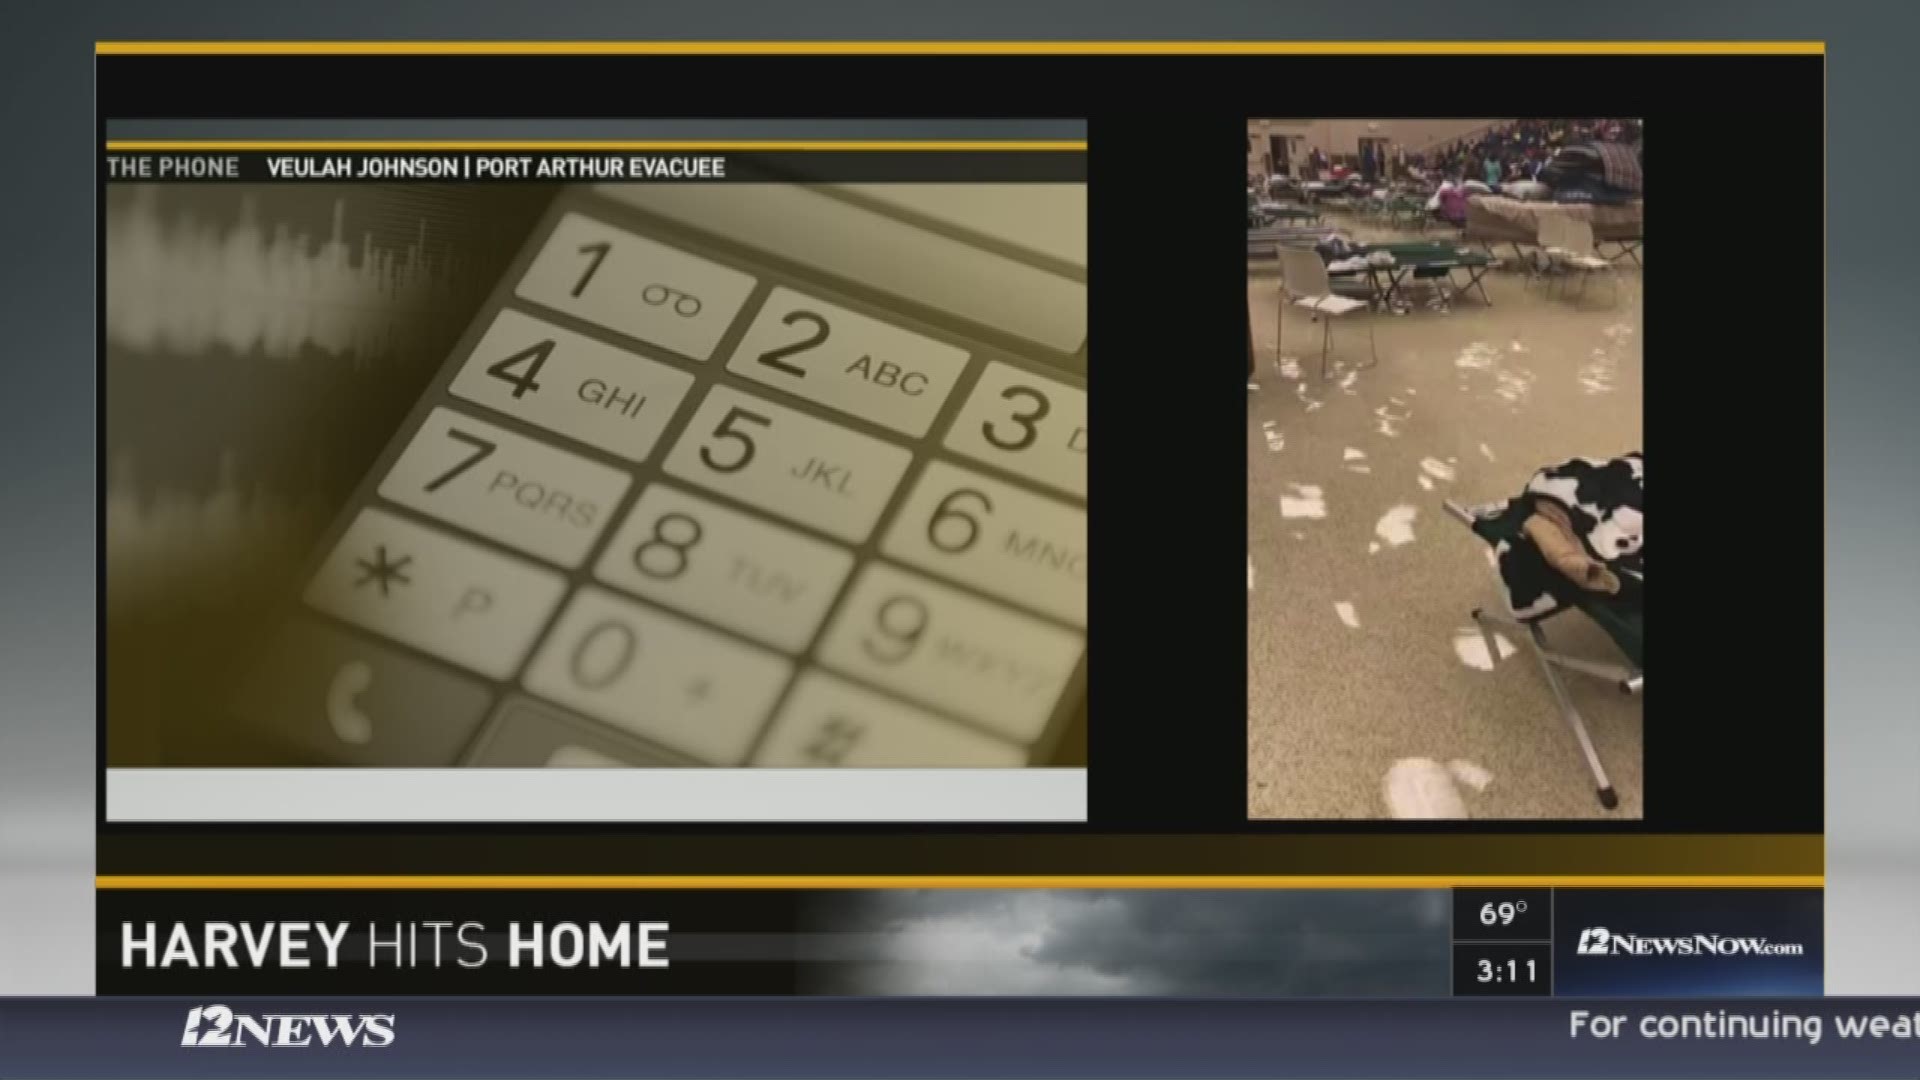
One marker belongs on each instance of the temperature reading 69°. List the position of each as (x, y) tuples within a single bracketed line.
[(1502, 913)]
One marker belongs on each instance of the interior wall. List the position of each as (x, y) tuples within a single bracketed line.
[(1336, 137)]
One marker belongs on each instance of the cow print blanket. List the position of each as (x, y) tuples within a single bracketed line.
[(1604, 501)]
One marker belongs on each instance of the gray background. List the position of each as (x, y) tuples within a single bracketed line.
[(47, 397)]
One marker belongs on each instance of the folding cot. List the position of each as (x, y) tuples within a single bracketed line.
[(1597, 505)]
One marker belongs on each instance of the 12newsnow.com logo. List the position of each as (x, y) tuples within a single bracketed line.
[(217, 1025), (1600, 941)]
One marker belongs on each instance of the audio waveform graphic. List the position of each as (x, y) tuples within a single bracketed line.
[(199, 549), (184, 284)]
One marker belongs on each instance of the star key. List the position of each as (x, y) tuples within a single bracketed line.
[(380, 571)]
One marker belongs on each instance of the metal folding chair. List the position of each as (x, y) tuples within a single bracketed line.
[(1305, 284)]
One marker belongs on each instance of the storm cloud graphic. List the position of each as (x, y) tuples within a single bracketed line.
[(1226, 943)]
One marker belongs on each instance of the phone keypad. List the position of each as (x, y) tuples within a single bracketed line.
[(996, 536), (1026, 424), (807, 470), (572, 385), (658, 676), (507, 487), (857, 365), (578, 757), (631, 285), (455, 599), (529, 734), (741, 572), (831, 723), (945, 648), (339, 698), (680, 514)]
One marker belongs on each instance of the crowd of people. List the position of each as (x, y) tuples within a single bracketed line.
[(1506, 158), (1519, 150)]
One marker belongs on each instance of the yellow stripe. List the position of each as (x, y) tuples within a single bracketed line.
[(961, 48), (548, 881), (893, 145)]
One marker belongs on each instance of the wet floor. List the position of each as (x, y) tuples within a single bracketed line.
[(1369, 693)]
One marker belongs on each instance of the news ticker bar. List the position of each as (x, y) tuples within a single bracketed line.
[(845, 161), (394, 1036), (1306, 943)]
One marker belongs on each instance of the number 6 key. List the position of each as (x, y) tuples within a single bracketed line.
[(1023, 547)]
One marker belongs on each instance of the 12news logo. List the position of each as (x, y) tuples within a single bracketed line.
[(1600, 941), (217, 1025)]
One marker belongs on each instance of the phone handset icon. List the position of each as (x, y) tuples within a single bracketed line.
[(349, 722)]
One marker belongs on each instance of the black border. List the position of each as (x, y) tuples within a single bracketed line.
[(1166, 132)]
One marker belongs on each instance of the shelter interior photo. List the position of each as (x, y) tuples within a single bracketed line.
[(1445, 557)]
